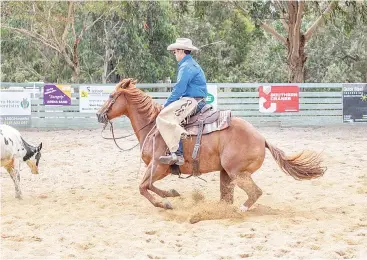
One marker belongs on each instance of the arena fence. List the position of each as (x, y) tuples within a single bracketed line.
[(320, 104)]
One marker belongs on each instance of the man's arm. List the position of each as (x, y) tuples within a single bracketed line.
[(183, 79)]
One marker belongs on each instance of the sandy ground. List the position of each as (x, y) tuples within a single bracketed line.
[(85, 204)]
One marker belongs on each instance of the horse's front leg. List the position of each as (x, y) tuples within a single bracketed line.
[(164, 193), (153, 173), (13, 170)]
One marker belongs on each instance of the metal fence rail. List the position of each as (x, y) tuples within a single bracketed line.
[(320, 104)]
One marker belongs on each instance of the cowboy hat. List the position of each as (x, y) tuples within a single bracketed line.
[(183, 44)]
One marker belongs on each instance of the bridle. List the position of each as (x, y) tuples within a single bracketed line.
[(107, 121), (113, 100)]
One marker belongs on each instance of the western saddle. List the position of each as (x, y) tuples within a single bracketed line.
[(206, 121)]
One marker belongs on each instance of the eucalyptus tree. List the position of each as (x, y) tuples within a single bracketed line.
[(57, 26), (285, 21)]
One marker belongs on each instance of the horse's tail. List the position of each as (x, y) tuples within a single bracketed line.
[(302, 166)]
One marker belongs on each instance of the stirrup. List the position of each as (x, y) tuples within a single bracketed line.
[(172, 159), (180, 160)]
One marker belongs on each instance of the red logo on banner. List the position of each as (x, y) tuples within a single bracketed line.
[(275, 99)]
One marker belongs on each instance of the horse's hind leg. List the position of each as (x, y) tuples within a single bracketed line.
[(226, 187), (245, 182)]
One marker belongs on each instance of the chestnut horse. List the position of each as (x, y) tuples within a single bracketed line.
[(237, 151)]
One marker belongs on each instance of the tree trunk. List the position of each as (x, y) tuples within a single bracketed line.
[(75, 74), (106, 62), (104, 74), (296, 63), (295, 40), (296, 43)]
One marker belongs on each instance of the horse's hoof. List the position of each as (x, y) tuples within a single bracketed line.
[(174, 193), (19, 197), (167, 205)]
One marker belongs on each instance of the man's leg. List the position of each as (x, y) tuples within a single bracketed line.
[(176, 112), (180, 148), (179, 153)]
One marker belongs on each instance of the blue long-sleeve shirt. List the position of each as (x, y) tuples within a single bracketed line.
[(191, 81)]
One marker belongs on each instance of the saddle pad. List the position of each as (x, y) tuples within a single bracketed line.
[(223, 122)]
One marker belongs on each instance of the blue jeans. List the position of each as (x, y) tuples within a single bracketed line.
[(200, 105)]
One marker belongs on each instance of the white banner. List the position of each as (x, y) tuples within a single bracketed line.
[(15, 108), (91, 98), (15, 103), (212, 97)]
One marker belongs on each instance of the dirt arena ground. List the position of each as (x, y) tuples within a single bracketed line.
[(85, 204)]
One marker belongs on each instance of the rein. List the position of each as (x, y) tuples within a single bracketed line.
[(121, 137), (113, 100)]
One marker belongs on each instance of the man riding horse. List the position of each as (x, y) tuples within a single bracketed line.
[(187, 98), (236, 150)]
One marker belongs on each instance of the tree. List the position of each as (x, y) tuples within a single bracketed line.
[(148, 34), (55, 25), (223, 36), (294, 34), (105, 41), (338, 54), (107, 34)]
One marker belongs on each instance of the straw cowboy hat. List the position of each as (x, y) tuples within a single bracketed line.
[(183, 44)]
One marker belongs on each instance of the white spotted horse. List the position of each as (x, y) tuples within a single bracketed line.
[(14, 150)]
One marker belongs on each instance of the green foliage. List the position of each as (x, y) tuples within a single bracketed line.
[(130, 39), (338, 54)]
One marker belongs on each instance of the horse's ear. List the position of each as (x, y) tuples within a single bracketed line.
[(123, 83), (130, 83), (39, 147), (126, 84)]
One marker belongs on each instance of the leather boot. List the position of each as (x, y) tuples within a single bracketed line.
[(172, 158)]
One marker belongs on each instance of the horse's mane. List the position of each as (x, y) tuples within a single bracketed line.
[(143, 102)]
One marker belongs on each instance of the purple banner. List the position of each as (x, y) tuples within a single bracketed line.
[(57, 95)]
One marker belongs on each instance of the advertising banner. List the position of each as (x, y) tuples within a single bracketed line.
[(15, 108), (93, 97), (57, 95), (278, 99), (212, 97), (355, 102)]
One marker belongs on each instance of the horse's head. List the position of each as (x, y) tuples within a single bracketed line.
[(33, 157), (116, 105)]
